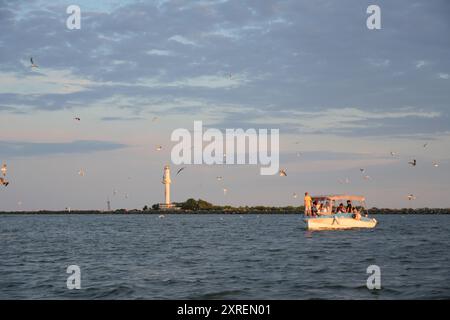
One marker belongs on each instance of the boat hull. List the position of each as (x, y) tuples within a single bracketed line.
[(338, 222)]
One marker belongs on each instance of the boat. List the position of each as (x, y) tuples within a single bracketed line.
[(328, 217)]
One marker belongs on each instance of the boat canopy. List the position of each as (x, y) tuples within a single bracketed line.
[(336, 197)]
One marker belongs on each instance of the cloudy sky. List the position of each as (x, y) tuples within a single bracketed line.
[(343, 96)]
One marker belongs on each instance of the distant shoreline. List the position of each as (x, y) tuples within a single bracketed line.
[(278, 211)]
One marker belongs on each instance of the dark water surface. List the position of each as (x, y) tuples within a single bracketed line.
[(221, 257)]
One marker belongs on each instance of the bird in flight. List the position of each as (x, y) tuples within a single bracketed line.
[(158, 148), (425, 145), (295, 195), (393, 154), (413, 162), (411, 197), (3, 182), (181, 169), (283, 173), (362, 170), (219, 178), (77, 119), (33, 65), (435, 164)]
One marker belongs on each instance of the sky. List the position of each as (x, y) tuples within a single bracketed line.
[(343, 97)]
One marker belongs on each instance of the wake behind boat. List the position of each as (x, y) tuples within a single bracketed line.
[(324, 214)]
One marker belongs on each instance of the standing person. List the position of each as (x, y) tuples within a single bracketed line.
[(308, 202)]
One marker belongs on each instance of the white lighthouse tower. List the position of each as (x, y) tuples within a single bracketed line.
[(166, 181)]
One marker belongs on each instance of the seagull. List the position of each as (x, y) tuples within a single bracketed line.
[(435, 164), (283, 173), (411, 197), (33, 65), (81, 172), (4, 182), (181, 169), (225, 190), (393, 154), (413, 163), (77, 119), (4, 169), (158, 148), (362, 170), (219, 178), (161, 216), (425, 145), (295, 195)]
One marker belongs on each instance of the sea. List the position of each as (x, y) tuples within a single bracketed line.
[(221, 256)]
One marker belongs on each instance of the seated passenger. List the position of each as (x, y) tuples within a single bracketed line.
[(349, 208), (341, 208)]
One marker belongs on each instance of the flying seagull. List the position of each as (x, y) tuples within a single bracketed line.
[(219, 178), (283, 173), (3, 182), (435, 164), (295, 195), (158, 148), (181, 169), (393, 154), (425, 145), (77, 119), (413, 162), (411, 197), (33, 65), (362, 170)]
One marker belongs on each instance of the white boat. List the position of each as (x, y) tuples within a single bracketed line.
[(328, 217)]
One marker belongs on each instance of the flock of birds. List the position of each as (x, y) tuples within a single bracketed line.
[(282, 172)]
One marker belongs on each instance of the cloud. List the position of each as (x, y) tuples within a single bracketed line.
[(182, 40), (44, 81), (380, 63), (156, 52), (28, 149), (421, 63), (444, 76)]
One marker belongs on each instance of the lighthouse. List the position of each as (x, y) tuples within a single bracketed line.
[(166, 181)]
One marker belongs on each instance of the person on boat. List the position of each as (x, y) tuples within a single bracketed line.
[(308, 201), (315, 209), (349, 208), (341, 208)]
